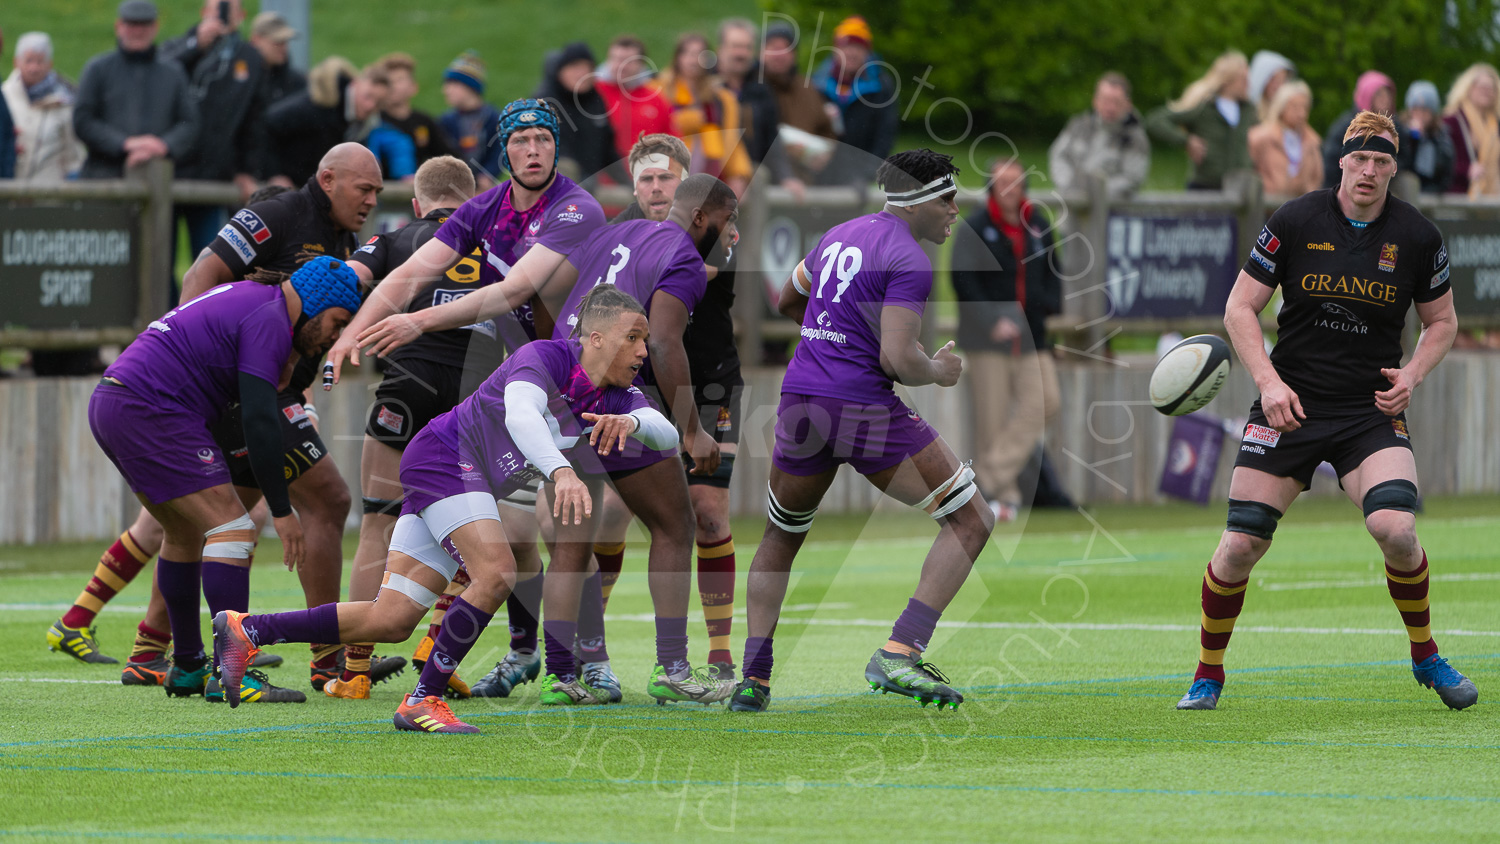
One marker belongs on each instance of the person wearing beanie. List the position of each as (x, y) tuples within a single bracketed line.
[(586, 142), (1268, 72), (1373, 91), (1432, 146), (863, 94), (471, 123)]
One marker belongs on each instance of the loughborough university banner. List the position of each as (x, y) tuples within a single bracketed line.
[(1171, 266), (68, 266)]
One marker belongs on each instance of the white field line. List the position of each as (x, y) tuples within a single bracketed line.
[(1368, 582), (60, 680)]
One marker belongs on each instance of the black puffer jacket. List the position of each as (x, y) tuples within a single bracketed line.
[(585, 135)]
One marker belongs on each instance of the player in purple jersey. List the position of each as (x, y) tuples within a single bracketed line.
[(151, 415), (550, 397), (860, 295)]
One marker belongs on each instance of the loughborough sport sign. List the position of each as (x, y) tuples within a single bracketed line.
[(1171, 266), (1474, 265), (68, 266)]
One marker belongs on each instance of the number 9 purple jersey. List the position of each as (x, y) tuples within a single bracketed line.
[(857, 269)]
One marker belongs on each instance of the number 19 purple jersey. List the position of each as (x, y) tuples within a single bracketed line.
[(858, 268)]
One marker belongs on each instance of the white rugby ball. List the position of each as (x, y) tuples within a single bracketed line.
[(1190, 374)]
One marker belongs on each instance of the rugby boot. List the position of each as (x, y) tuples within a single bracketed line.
[(907, 674), (700, 685), (750, 696), (150, 673), (516, 669), (356, 688), (180, 683), (77, 642), (601, 680), (233, 651), (1456, 690), (555, 692), (266, 660), (431, 715), (1203, 694)]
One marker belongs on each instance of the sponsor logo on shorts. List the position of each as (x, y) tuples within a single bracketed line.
[(725, 423), (1325, 246), (253, 224), (294, 413), (206, 455), (392, 421), (1440, 278), (1263, 261), (1399, 426), (237, 242), (1388, 258), (1261, 434), (1267, 241), (1255, 449), (243, 451)]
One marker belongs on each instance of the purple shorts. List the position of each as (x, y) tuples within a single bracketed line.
[(163, 451), (432, 470), (815, 434), (620, 464)]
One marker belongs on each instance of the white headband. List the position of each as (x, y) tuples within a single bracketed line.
[(931, 190), (654, 161)]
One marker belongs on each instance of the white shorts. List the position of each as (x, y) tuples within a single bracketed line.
[(420, 536)]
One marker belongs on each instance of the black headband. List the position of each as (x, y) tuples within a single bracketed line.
[(1374, 143)]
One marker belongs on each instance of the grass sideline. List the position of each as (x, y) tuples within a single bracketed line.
[(1072, 641)]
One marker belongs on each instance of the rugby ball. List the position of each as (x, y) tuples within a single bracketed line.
[(1190, 374)]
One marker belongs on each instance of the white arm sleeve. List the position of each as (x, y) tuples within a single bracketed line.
[(527, 420), (653, 429)]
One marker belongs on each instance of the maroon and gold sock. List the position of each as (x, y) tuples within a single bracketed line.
[(357, 660), (1222, 602), (150, 643), (119, 565), (440, 609), (1409, 590), (716, 591), (611, 559), (324, 656)]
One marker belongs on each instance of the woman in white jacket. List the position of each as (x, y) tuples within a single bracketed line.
[(41, 104)]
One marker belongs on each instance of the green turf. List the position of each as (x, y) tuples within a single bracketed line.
[(1079, 634)]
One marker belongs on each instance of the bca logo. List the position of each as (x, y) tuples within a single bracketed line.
[(253, 224), (1268, 241)]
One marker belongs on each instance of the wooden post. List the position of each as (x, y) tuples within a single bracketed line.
[(749, 286), (156, 264), (1096, 271)]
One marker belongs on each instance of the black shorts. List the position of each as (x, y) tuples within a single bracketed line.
[(720, 411), (413, 393), (1343, 438), (300, 443)]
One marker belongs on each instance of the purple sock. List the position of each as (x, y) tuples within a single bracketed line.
[(758, 657), (461, 629), (559, 636), (672, 644), (226, 587), (915, 625), (523, 606), (319, 624), (591, 647), (178, 583)]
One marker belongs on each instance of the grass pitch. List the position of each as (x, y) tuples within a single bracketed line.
[(1071, 642)]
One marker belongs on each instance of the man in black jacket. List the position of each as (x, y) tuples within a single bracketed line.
[(226, 77), (269, 35), (585, 137), (340, 104), (133, 106), (1005, 277), (758, 112)]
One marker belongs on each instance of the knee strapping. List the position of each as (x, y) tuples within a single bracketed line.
[(950, 494), (231, 541), (1253, 518), (382, 506), (790, 521), (410, 588), (1398, 494)]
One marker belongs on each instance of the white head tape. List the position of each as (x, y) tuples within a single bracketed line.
[(654, 161), (932, 190)]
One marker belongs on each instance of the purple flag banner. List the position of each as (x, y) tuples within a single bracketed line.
[(1192, 457)]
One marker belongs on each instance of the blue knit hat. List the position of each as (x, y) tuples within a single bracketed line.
[(526, 114), (467, 69), (325, 283)]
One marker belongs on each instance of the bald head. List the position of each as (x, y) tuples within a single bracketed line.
[(350, 175)]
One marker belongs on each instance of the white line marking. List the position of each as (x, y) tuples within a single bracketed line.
[(1101, 627), (1363, 583), (59, 680)]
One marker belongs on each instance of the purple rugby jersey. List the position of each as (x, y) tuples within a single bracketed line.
[(560, 220), (476, 431), (858, 268), (192, 356)]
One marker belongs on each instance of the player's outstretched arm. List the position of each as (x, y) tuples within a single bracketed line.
[(669, 362), (901, 354), (1242, 321), (526, 423), (1439, 327), (390, 297), (792, 302)]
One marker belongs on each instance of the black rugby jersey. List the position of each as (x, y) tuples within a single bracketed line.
[(475, 346), (282, 233), (1345, 292)]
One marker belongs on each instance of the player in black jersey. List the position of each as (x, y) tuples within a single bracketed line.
[(1349, 262), (657, 164)]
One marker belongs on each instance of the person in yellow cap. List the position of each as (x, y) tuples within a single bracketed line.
[(863, 93)]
